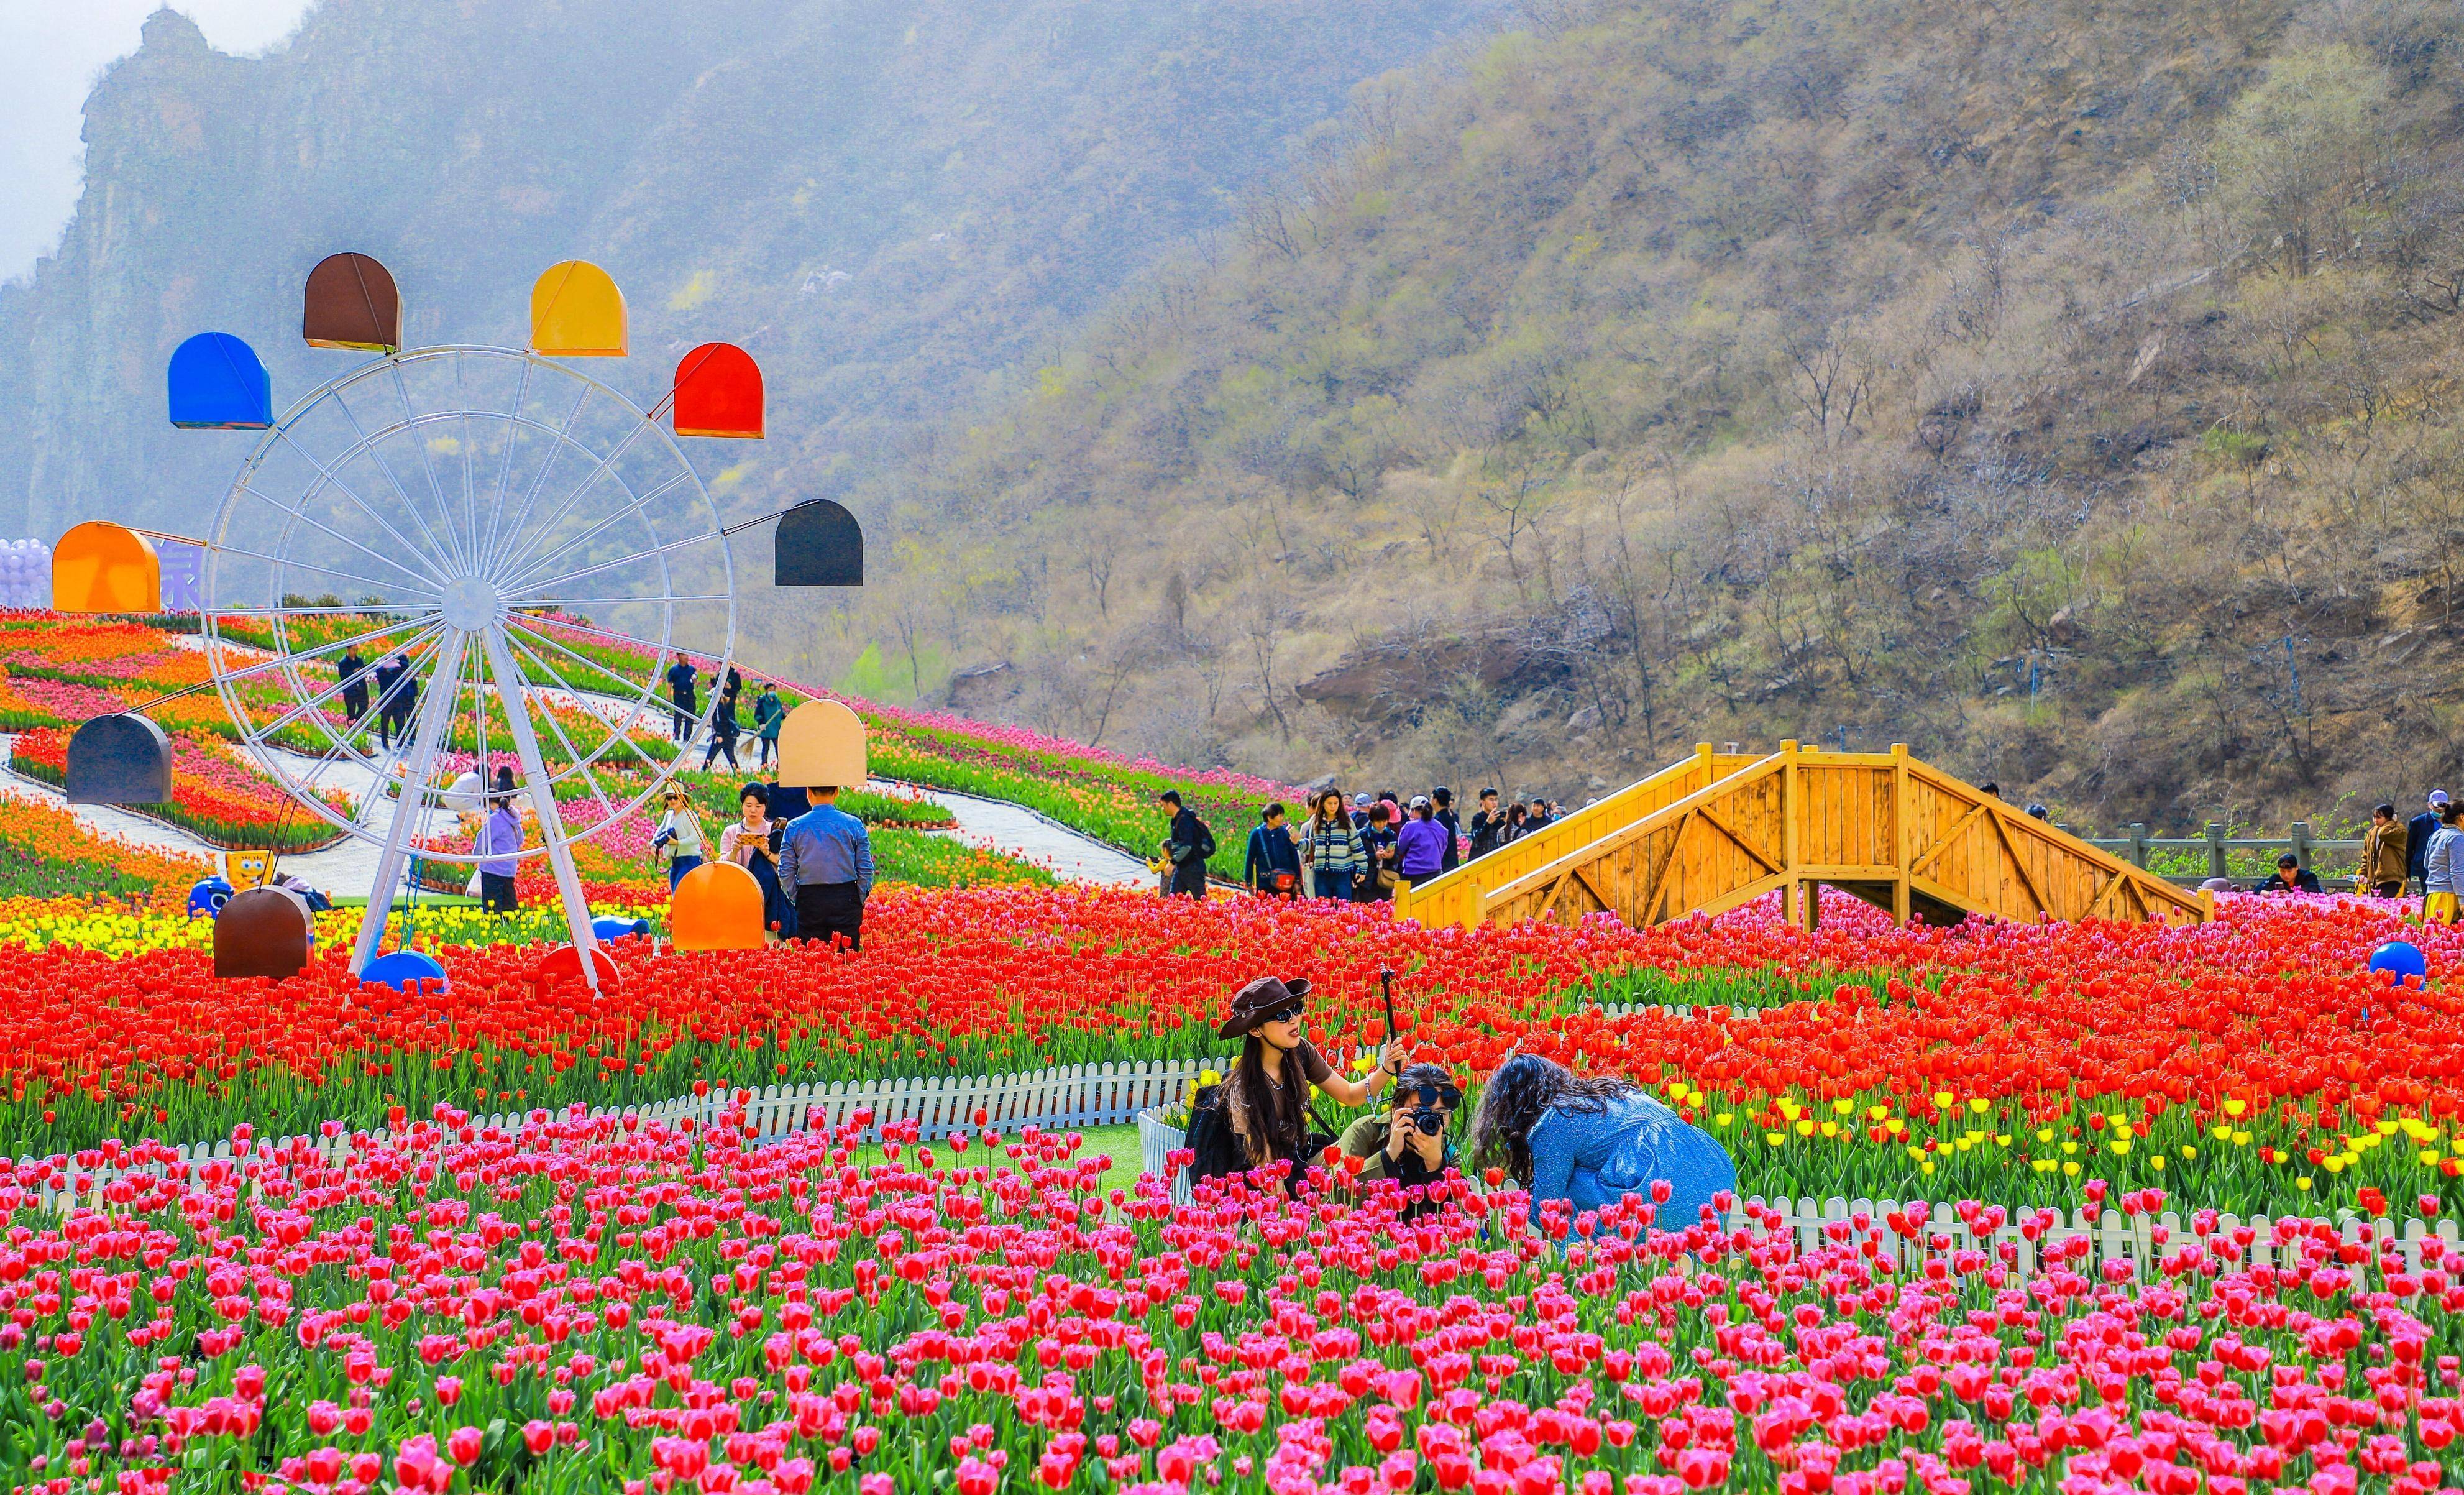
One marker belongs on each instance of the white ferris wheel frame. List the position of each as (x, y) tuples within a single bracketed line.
[(465, 604)]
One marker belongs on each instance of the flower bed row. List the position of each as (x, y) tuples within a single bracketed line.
[(46, 853), (216, 794), (2250, 1063), (594, 1305)]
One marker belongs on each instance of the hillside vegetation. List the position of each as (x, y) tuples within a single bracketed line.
[(2065, 389)]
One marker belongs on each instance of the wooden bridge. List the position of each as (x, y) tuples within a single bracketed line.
[(1720, 830)]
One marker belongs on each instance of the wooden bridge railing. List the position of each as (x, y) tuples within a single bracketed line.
[(1720, 831)]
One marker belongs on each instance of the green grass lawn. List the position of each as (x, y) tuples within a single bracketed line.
[(1120, 1143)]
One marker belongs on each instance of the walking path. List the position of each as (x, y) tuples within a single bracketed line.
[(1020, 832)]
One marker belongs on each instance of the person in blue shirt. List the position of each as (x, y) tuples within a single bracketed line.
[(680, 689), (497, 846), (1274, 862), (1592, 1140), (826, 858)]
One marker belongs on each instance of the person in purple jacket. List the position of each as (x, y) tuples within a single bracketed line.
[(1420, 847), (499, 845)]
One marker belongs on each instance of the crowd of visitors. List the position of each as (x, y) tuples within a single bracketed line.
[(1359, 850)]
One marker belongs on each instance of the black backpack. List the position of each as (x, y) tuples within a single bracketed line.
[(1216, 1151), (1205, 843)]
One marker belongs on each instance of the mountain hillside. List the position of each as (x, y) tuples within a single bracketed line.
[(2068, 389), (886, 200)]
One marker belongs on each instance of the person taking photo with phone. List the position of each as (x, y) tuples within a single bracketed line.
[(752, 843)]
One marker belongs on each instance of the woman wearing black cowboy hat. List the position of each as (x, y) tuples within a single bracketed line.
[(1265, 1103)]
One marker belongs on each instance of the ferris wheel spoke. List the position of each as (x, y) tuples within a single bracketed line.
[(293, 657), (470, 501), (579, 760), (276, 608), (435, 490), (538, 480), (312, 702), (664, 548), (533, 625), (352, 494), (651, 496), (635, 711), (665, 601), (426, 582), (439, 551), (323, 571), (505, 465), (547, 528)]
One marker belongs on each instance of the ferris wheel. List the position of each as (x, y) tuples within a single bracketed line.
[(454, 566), (437, 502)]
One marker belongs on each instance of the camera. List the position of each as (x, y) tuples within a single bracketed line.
[(1431, 1123)]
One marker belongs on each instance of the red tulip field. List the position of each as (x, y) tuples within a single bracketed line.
[(596, 1303)]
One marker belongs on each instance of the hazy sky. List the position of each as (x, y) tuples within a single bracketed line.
[(49, 52)]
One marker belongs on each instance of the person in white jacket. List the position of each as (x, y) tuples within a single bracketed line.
[(2443, 869)]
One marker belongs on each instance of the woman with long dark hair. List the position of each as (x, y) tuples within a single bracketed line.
[(1262, 1112), (1591, 1141)]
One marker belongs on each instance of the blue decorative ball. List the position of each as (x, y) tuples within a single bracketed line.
[(2399, 959), (610, 927), (402, 969), (207, 899)]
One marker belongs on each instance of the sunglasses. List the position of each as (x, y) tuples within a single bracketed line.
[(1287, 1014), (1425, 1096)]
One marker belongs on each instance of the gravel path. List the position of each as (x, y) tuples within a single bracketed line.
[(1021, 832)]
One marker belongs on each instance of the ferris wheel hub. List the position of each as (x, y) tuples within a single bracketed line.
[(471, 604)]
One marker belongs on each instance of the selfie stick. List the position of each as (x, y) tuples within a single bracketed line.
[(1386, 985)]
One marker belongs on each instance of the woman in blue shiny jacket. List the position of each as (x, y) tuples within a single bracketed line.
[(1592, 1141)]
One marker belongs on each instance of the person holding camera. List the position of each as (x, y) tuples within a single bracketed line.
[(678, 839), (752, 843), (1410, 1144)]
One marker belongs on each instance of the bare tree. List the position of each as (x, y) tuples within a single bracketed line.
[(1827, 381)]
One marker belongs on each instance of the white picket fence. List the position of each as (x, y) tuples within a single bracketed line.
[(1065, 1097), (2116, 1236)]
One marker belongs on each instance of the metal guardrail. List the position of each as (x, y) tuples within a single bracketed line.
[(2218, 848)]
